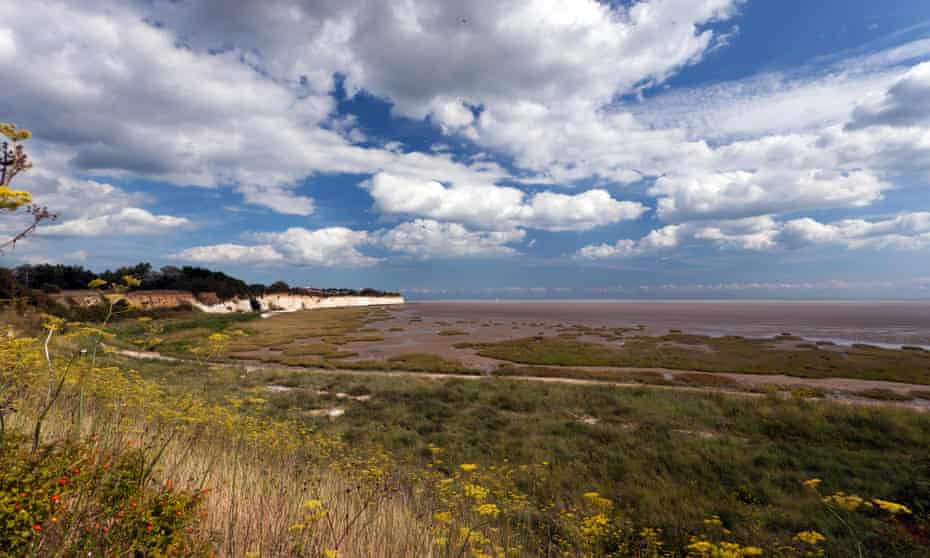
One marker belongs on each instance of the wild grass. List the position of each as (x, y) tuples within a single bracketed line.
[(413, 362), (643, 377), (882, 394), (747, 466), (723, 354), (525, 469)]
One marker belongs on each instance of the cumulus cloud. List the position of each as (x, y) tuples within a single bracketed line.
[(666, 237), (230, 253), (247, 102), (342, 247), (329, 247), (428, 239), (908, 231), (903, 104), (131, 220), (91, 207), (422, 54), (209, 119), (736, 194), (326, 247), (498, 207)]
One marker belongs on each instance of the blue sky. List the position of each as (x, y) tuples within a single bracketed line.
[(542, 148)]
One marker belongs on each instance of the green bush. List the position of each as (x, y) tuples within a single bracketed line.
[(81, 500)]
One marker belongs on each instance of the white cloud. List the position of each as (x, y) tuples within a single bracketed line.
[(753, 233), (903, 104), (498, 207), (428, 239), (536, 81), (341, 247), (229, 253), (130, 220), (743, 109), (742, 193), (908, 231), (326, 247), (622, 248), (116, 96), (664, 238), (421, 51), (329, 247)]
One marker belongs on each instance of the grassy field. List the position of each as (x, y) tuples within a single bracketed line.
[(718, 354), (480, 466), (671, 460)]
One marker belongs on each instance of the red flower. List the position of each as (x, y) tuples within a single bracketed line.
[(63, 481), (36, 527), (149, 527), (55, 498)]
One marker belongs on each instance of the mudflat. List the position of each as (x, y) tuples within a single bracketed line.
[(886, 322)]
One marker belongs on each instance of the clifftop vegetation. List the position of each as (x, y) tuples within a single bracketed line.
[(53, 278)]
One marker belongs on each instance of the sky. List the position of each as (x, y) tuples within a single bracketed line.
[(482, 149)]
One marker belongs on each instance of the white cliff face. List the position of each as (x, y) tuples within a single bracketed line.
[(292, 303), (226, 307)]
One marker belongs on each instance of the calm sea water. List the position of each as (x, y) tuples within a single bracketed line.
[(891, 323)]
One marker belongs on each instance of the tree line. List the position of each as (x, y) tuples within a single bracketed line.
[(55, 278)]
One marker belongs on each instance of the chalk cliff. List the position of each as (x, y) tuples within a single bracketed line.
[(208, 302)]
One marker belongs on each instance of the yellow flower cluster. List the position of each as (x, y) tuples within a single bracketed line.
[(848, 502), (891, 507), (703, 548), (812, 538)]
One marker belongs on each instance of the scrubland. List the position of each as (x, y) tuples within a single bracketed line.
[(107, 455)]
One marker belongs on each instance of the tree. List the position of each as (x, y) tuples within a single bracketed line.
[(13, 161), (279, 287)]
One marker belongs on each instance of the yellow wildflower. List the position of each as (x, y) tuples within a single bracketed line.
[(891, 507), (848, 502), (313, 504), (812, 538), (468, 467), (488, 509), (812, 483)]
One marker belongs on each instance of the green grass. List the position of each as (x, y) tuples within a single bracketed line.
[(673, 459), (719, 354), (449, 332), (644, 377), (414, 362)]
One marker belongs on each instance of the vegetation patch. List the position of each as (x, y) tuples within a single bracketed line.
[(414, 362), (725, 354), (642, 377), (883, 394)]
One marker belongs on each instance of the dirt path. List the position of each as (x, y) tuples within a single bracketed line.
[(835, 388)]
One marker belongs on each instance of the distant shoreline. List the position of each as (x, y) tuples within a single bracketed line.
[(881, 322)]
